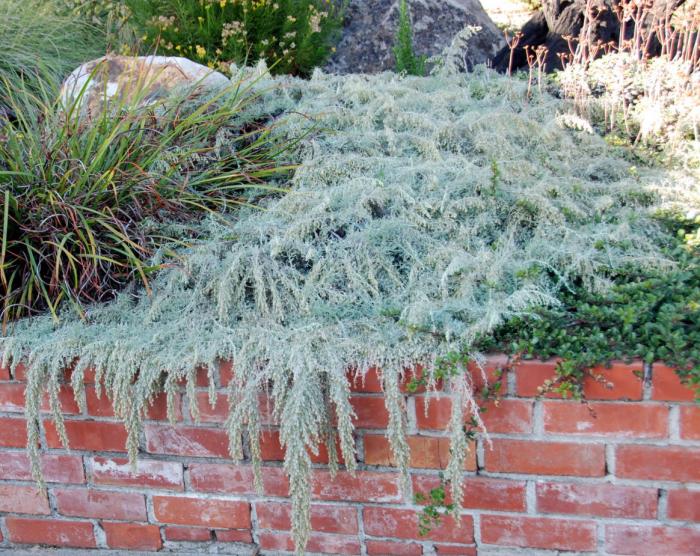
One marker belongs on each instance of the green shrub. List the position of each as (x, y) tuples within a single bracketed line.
[(406, 59), (82, 202), (651, 315), (38, 37), (293, 36)]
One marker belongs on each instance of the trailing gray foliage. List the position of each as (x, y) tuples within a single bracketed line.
[(426, 211)]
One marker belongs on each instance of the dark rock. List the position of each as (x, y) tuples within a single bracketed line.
[(561, 18), (368, 38)]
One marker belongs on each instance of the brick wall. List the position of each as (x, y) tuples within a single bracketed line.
[(618, 476)]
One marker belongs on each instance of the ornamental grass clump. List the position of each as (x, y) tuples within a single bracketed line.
[(293, 36), (86, 202), (425, 212)]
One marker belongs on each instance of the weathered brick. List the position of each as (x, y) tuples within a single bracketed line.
[(236, 479), (186, 441), (455, 550), (4, 372), (403, 524), (480, 493), (427, 452), (324, 519), (503, 416), (55, 468), (684, 504), (318, 542), (370, 412), (13, 432), (621, 420), (101, 504), (644, 540), (158, 410), (545, 458), (489, 372), (191, 534), (369, 383), (225, 372), (148, 473), (89, 435), (23, 500), (690, 422), (233, 535), (598, 500), (203, 512), (132, 536), (538, 532), (384, 548), (12, 399), (364, 486), (271, 449), (51, 532), (666, 385), (20, 372), (658, 463)]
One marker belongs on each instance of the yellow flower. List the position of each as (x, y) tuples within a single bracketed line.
[(222, 3), (201, 51)]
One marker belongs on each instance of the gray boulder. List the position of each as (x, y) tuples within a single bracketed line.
[(368, 38)]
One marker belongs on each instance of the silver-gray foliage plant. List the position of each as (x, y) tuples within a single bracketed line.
[(426, 212)]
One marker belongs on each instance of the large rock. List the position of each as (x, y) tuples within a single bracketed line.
[(559, 19), (370, 27), (136, 79)]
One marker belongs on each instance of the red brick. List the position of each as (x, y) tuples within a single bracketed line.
[(186, 441), (384, 548), (324, 519), (318, 542), (530, 375), (455, 550), (101, 504), (545, 458), (20, 372), (102, 406), (403, 524), (369, 383), (12, 397), (491, 370), (225, 372), (690, 422), (4, 372), (52, 532), (271, 449), (538, 532), (503, 416), (645, 540), (88, 435), (598, 500), (23, 500), (658, 463), (192, 534), (364, 486), (56, 469), (236, 479), (207, 413), (234, 535), (132, 536), (203, 512), (684, 505), (480, 493), (370, 412), (620, 420), (427, 452), (148, 473), (666, 385), (13, 432), (620, 381)]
